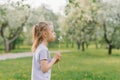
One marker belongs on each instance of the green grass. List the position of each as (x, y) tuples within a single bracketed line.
[(89, 65), (15, 69), (93, 64)]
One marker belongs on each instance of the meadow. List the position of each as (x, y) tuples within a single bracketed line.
[(93, 64)]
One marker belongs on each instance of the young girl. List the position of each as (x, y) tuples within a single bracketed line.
[(43, 33)]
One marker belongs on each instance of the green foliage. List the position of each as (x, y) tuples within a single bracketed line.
[(86, 22), (13, 18), (109, 20), (80, 21), (17, 18)]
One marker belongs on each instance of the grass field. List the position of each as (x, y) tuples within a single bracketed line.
[(93, 64)]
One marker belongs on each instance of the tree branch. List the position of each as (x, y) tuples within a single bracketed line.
[(18, 31), (4, 25), (105, 34)]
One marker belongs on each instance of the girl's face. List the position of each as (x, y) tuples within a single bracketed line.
[(51, 34)]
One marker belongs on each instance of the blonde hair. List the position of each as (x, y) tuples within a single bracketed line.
[(37, 33)]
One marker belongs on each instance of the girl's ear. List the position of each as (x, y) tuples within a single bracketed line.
[(45, 34)]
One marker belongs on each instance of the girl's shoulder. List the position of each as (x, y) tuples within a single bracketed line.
[(43, 47), (40, 48)]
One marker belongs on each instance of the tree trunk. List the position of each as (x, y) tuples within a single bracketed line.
[(110, 49), (78, 43), (87, 45), (96, 45), (7, 48), (109, 42), (83, 46)]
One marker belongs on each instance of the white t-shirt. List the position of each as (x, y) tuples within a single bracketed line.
[(40, 54)]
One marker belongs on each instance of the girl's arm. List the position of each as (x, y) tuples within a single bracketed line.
[(45, 66)]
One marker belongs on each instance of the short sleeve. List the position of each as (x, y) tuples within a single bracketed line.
[(43, 54)]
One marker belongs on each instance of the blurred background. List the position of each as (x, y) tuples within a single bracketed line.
[(88, 28), (77, 23)]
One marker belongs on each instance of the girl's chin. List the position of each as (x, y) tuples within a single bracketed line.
[(52, 40)]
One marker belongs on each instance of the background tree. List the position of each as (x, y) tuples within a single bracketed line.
[(13, 18), (108, 16), (80, 20)]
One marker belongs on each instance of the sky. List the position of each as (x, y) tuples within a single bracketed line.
[(56, 6)]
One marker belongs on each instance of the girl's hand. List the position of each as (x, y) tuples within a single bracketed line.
[(57, 57)]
